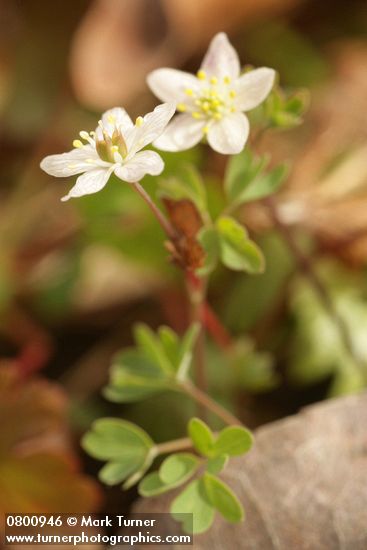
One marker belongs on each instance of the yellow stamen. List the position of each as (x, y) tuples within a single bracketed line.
[(139, 121), (205, 130), (201, 75), (217, 116), (196, 115), (181, 107), (232, 93), (226, 80), (77, 143), (114, 149), (83, 134), (189, 91), (213, 80)]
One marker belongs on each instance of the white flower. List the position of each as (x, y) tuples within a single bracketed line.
[(211, 103), (115, 146)]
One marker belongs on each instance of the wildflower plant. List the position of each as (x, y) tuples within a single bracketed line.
[(211, 107)]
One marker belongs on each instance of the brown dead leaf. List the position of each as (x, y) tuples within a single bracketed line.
[(185, 218), (327, 189), (38, 470)]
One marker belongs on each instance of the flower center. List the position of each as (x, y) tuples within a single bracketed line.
[(212, 101)]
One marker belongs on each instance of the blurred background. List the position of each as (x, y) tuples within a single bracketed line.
[(75, 277)]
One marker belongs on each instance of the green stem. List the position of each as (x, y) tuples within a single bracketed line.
[(163, 221), (173, 446), (208, 403), (196, 289)]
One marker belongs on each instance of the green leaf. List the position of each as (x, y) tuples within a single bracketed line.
[(201, 436), (216, 464), (152, 347), (208, 238), (187, 185), (140, 471), (193, 500), (265, 185), (246, 180), (233, 441), (237, 251), (241, 170), (129, 450), (189, 340), (171, 344), (115, 472), (178, 468), (186, 350), (255, 369), (223, 499), (115, 439), (152, 485), (286, 111), (133, 376)]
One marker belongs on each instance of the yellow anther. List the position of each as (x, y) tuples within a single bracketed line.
[(205, 130), (227, 80), (114, 149), (201, 75), (181, 107), (196, 115), (139, 121), (83, 134), (216, 102), (77, 143), (92, 134), (111, 119), (206, 106), (217, 116), (213, 80), (214, 94), (189, 91), (232, 93)]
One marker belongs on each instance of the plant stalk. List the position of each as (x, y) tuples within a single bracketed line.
[(208, 403), (163, 221), (174, 446)]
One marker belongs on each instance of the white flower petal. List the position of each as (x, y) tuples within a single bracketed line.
[(221, 58), (170, 84), (152, 126), (145, 162), (90, 182), (71, 163), (230, 134), (182, 133), (116, 118), (253, 87)]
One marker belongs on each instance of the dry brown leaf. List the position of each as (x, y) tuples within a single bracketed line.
[(327, 189), (185, 218), (39, 472)]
